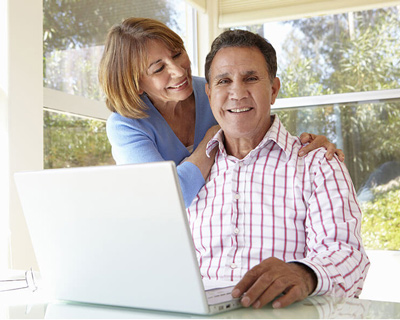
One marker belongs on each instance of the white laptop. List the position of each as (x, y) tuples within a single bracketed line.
[(116, 235)]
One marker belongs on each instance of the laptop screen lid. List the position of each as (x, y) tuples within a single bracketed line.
[(114, 235)]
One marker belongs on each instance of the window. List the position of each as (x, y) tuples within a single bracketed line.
[(74, 33), (80, 141), (352, 58)]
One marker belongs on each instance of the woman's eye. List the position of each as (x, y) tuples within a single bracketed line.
[(159, 69), (176, 55)]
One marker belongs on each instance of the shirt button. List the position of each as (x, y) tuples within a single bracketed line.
[(236, 196), (240, 163), (236, 231), (233, 266)]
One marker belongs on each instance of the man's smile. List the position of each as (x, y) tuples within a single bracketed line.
[(239, 110)]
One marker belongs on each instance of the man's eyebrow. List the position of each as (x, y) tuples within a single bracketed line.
[(221, 75), (226, 74), (250, 72)]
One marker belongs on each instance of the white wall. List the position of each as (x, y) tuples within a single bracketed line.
[(4, 230), (207, 31), (21, 120)]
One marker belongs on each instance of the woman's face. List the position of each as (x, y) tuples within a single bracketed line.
[(168, 76)]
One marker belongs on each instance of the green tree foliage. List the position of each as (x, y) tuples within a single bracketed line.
[(74, 32), (74, 142), (381, 218), (76, 23), (351, 52)]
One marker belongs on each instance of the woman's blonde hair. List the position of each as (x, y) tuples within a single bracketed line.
[(124, 60)]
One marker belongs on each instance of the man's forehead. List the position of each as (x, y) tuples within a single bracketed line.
[(243, 60)]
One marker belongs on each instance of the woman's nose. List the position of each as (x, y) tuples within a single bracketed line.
[(177, 70)]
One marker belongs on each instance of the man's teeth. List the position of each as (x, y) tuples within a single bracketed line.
[(239, 110), (179, 85)]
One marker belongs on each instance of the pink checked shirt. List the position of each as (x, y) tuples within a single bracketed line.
[(274, 203)]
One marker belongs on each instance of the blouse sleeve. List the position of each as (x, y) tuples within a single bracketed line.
[(137, 144)]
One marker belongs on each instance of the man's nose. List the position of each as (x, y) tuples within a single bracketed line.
[(238, 91)]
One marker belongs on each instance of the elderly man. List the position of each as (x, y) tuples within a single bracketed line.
[(284, 226)]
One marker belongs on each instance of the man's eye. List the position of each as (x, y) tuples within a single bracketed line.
[(223, 81), (252, 79)]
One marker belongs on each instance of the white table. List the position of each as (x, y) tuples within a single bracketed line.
[(25, 304)]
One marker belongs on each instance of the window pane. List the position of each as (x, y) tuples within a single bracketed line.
[(74, 33), (368, 135), (71, 141), (349, 52)]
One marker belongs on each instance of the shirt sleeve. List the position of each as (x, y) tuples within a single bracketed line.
[(334, 247), (132, 145)]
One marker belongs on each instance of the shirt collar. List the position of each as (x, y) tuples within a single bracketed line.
[(276, 133)]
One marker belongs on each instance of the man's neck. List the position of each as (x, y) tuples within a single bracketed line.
[(241, 147)]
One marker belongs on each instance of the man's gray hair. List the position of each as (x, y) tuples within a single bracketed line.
[(244, 39)]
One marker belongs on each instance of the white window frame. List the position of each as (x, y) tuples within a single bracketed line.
[(21, 120), (341, 98)]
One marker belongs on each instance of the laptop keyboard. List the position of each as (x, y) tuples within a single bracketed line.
[(219, 295)]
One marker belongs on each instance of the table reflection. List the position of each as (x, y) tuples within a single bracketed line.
[(312, 308), (320, 307)]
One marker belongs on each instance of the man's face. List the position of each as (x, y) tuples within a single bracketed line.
[(241, 93)]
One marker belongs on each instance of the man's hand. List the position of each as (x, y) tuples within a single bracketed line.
[(272, 277)]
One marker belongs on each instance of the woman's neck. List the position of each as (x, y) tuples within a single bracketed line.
[(181, 117)]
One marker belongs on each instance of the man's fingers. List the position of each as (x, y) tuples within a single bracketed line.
[(272, 278), (259, 289), (245, 284), (274, 290), (293, 295)]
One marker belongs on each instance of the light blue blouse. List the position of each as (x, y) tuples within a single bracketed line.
[(151, 139)]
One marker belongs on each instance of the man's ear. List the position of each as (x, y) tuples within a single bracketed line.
[(276, 85)]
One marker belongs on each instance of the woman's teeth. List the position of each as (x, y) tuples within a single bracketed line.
[(179, 85)]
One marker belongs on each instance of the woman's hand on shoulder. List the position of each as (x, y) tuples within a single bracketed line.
[(316, 141), (199, 156), (211, 133)]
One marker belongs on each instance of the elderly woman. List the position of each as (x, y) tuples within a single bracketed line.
[(160, 111)]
